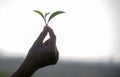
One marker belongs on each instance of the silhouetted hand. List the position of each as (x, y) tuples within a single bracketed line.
[(40, 54), (43, 54)]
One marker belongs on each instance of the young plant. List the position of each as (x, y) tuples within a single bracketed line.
[(46, 14)]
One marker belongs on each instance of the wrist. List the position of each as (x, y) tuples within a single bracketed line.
[(25, 70)]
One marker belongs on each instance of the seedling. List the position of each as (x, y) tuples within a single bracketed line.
[(44, 16)]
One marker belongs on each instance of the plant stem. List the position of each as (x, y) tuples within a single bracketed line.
[(45, 20)]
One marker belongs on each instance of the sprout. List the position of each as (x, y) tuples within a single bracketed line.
[(47, 13)]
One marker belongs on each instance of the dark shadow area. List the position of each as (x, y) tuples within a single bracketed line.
[(64, 69)]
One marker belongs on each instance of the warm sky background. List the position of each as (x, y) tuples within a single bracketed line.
[(88, 29)]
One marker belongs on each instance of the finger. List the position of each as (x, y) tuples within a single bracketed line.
[(52, 36), (42, 35)]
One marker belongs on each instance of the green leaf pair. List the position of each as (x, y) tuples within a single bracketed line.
[(46, 14)]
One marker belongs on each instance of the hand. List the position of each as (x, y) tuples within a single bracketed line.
[(41, 54)]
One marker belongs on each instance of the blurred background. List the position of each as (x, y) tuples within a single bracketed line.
[(88, 36)]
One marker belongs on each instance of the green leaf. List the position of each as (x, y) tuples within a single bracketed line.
[(54, 14), (40, 13), (47, 14)]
